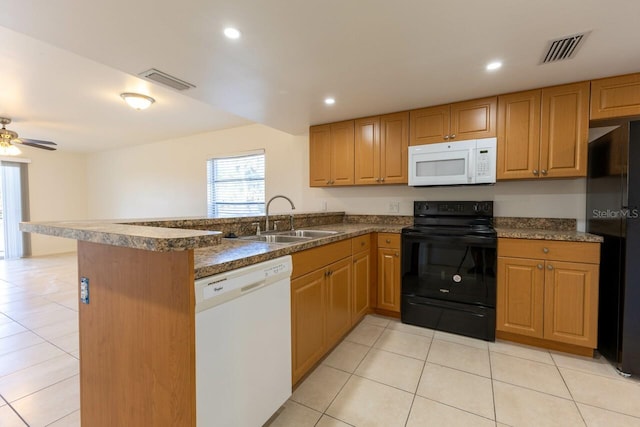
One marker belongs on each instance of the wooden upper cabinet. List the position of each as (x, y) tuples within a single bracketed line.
[(462, 120), (518, 134), (367, 150), (381, 149), (564, 130), (429, 125), (331, 150), (615, 97), (394, 143), (543, 133), (319, 155), (342, 135), (473, 119)]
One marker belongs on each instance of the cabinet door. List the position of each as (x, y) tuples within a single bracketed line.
[(338, 319), (473, 119), (342, 139), (520, 296), (319, 156), (389, 279), (429, 125), (615, 97), (367, 151), (571, 303), (360, 286), (564, 130), (307, 322), (519, 135), (394, 142)]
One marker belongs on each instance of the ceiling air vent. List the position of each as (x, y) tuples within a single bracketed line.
[(563, 48), (165, 79)]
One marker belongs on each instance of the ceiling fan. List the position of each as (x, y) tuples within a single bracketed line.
[(9, 138)]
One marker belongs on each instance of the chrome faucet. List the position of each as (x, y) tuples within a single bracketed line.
[(266, 228)]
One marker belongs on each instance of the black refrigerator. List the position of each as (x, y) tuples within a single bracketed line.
[(613, 203)]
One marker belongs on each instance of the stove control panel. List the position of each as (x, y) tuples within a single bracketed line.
[(453, 208)]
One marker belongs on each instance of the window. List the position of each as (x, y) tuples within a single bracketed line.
[(235, 185)]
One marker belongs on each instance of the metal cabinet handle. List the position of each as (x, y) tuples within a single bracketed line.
[(545, 250), (539, 266), (453, 136), (550, 267), (535, 172), (543, 171), (382, 179), (388, 240), (446, 137), (397, 254), (328, 182)]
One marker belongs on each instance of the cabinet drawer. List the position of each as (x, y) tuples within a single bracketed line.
[(313, 259), (360, 243), (585, 252), (389, 240)]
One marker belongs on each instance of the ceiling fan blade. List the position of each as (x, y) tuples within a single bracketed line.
[(35, 141), (44, 147)]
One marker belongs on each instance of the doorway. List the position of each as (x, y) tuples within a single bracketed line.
[(14, 208)]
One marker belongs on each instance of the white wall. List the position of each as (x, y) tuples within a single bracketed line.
[(169, 179), (57, 191)]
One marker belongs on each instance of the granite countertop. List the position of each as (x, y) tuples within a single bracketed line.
[(127, 235), (236, 253), (544, 234), (563, 229)]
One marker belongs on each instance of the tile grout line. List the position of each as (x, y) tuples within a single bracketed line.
[(14, 410), (419, 381), (493, 392)]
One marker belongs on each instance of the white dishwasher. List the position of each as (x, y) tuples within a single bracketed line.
[(243, 344)]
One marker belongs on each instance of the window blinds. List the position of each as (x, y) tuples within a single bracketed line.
[(235, 185)]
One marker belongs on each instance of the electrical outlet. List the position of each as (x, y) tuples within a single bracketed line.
[(394, 207), (323, 205)]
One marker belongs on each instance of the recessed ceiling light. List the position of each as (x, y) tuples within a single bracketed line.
[(231, 33), (329, 101), (494, 65)]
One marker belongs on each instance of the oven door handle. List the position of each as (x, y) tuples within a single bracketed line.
[(465, 239)]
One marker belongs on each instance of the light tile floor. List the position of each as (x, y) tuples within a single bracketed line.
[(384, 373), (39, 342)]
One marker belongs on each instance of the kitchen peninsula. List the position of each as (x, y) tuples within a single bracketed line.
[(137, 339), (137, 332)]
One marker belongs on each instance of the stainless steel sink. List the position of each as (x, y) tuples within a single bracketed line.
[(290, 236), (276, 238), (307, 233)]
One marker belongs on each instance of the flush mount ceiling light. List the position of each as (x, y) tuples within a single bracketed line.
[(137, 100), (231, 33), (492, 66), (329, 101)]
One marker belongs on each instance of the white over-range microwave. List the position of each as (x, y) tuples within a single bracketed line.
[(453, 163)]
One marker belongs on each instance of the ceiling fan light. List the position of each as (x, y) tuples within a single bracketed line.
[(137, 101), (9, 150)]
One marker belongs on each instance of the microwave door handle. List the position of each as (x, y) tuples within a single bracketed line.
[(471, 166)]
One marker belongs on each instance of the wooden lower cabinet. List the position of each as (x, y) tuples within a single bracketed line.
[(389, 272), (308, 304), (552, 297), (321, 306), (361, 284), (338, 312), (520, 296)]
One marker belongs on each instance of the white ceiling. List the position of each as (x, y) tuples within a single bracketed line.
[(65, 62)]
